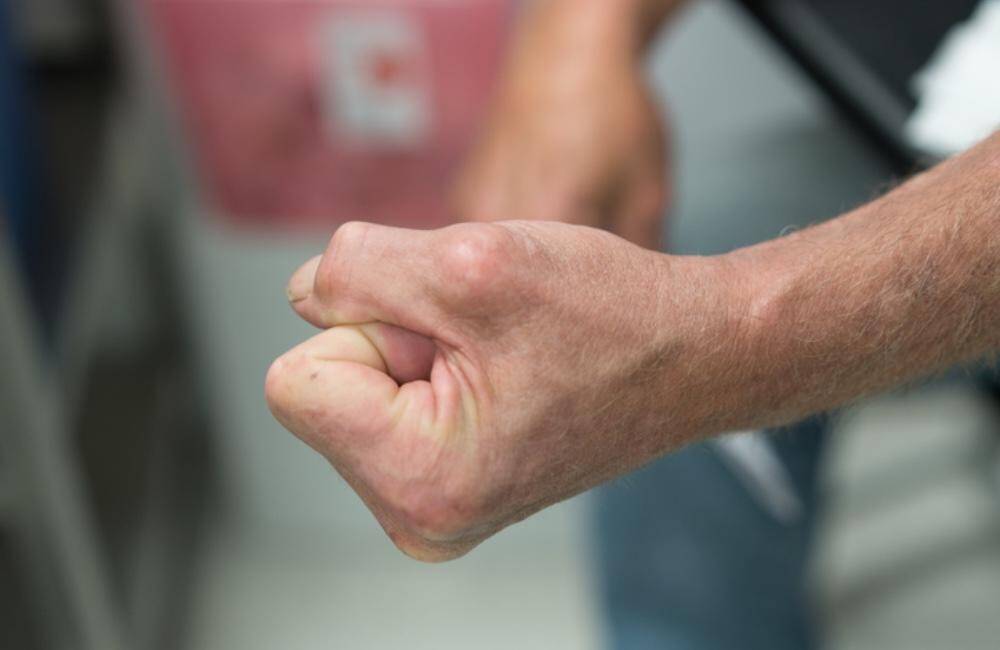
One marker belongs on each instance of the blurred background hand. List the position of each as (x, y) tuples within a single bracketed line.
[(575, 134)]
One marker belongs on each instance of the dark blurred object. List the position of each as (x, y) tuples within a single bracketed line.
[(103, 444), (864, 54), (59, 584), (58, 77), (20, 183), (19, 627), (146, 454), (70, 97)]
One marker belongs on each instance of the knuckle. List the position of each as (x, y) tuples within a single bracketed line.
[(427, 528), (436, 555), (277, 384), (428, 552), (349, 235), (346, 241), (476, 255), (436, 517)]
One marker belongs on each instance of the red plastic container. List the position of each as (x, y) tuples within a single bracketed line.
[(321, 111)]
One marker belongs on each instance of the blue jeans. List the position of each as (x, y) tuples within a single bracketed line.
[(687, 560)]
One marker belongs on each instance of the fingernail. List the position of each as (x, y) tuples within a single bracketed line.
[(301, 284)]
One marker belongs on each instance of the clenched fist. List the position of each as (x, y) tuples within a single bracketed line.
[(470, 376)]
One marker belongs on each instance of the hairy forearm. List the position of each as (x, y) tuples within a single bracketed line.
[(897, 289)]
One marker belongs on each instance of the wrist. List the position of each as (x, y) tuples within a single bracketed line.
[(708, 344)]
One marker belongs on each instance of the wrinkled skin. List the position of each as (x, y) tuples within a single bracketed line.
[(475, 374)]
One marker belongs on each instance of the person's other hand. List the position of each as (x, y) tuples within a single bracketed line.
[(476, 374), (574, 136)]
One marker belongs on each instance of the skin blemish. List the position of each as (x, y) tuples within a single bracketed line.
[(313, 376)]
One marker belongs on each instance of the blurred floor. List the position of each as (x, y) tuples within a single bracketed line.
[(527, 589), (296, 562)]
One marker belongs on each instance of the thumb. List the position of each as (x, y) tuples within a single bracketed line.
[(424, 281), (368, 273)]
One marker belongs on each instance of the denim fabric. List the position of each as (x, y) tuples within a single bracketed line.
[(687, 560)]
